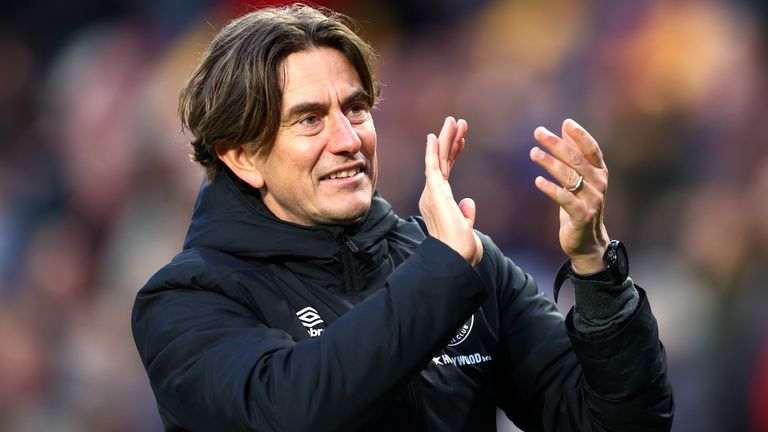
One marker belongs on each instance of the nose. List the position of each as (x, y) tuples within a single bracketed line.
[(343, 136)]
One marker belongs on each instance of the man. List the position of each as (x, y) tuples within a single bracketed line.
[(302, 302)]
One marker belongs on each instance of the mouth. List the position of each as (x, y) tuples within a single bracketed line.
[(343, 173)]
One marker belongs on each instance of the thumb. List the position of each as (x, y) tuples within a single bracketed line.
[(469, 210)]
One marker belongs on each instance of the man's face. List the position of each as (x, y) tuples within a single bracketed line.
[(322, 169)]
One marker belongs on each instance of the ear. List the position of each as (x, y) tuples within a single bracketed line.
[(244, 164)]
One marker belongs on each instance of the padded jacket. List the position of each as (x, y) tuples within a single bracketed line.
[(260, 324)]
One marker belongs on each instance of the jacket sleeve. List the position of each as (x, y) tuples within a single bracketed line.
[(214, 366), (555, 380)]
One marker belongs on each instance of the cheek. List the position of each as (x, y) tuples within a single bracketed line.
[(284, 178), (300, 162), (368, 138), (373, 160), (374, 174), (367, 135)]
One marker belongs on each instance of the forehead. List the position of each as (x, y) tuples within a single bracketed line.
[(316, 74)]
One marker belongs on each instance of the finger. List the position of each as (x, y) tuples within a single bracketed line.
[(584, 142), (458, 142), (445, 139), (457, 151), (469, 210), (566, 200), (561, 172), (435, 182), (565, 153), (431, 162)]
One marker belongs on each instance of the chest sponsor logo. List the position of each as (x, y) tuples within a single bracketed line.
[(461, 360), (463, 332), (310, 319)]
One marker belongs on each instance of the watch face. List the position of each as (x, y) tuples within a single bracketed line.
[(622, 262), (616, 259)]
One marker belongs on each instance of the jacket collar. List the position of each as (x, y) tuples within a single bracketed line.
[(237, 222)]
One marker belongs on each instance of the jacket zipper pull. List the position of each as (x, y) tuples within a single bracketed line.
[(350, 244)]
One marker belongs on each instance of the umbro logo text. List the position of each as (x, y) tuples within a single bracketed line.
[(310, 318)]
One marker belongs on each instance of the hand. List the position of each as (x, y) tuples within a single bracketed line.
[(447, 221), (583, 236)]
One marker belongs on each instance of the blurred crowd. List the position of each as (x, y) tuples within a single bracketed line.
[(96, 186)]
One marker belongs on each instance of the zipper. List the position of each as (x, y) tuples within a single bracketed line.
[(349, 242), (352, 285)]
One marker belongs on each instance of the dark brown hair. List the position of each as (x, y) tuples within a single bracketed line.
[(234, 95)]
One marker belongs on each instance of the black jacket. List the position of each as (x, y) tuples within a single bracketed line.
[(261, 324)]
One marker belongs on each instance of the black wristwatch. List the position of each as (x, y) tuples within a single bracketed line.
[(616, 268)]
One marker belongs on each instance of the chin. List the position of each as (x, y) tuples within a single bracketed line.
[(349, 215)]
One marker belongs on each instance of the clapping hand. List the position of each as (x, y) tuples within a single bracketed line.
[(576, 162), (446, 220)]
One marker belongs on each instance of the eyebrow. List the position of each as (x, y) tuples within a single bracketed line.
[(307, 107), (357, 96)]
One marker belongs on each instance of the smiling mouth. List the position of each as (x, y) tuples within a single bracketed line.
[(342, 174)]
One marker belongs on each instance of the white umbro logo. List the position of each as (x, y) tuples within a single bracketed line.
[(310, 318)]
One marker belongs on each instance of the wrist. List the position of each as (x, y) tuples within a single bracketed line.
[(592, 261), (614, 267), (587, 265)]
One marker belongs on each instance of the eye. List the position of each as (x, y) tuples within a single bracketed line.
[(357, 112), (310, 120)]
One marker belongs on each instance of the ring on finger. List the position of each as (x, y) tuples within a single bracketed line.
[(577, 187)]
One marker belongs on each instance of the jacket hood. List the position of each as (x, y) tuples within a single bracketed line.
[(237, 222)]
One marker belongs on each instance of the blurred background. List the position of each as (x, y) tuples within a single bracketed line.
[(96, 188)]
